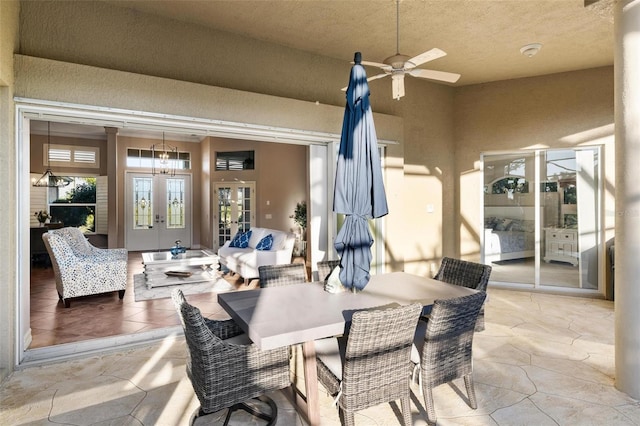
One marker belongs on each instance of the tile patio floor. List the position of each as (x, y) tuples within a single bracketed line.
[(542, 360)]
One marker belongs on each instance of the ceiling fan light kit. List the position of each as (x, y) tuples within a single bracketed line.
[(398, 65)]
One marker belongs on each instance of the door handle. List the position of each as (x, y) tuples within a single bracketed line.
[(157, 218)]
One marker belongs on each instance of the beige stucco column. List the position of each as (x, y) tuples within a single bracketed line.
[(112, 173), (627, 242)]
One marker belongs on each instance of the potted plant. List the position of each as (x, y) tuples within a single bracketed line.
[(299, 216)]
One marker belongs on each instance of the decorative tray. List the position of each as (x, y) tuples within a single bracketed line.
[(183, 274)]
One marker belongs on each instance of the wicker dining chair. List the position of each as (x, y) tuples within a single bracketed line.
[(325, 267), (226, 369), (467, 274), (372, 364), (281, 275), (445, 345)]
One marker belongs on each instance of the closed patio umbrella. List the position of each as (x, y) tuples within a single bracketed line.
[(359, 190)]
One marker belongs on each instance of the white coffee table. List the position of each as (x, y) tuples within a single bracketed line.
[(197, 266)]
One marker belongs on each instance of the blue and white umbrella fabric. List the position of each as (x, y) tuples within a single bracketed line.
[(359, 190)]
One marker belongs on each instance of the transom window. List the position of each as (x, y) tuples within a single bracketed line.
[(142, 158)]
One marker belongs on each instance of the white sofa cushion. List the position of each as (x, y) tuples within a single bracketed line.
[(258, 234)]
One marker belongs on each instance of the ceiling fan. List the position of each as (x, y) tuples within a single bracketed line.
[(398, 65)]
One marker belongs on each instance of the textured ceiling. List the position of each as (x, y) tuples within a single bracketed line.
[(482, 38)]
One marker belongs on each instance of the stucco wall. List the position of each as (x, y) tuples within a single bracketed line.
[(429, 212), (555, 111), (9, 11)]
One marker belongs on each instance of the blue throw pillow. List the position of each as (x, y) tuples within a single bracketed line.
[(241, 240), (266, 243)]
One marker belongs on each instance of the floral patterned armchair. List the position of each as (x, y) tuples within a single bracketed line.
[(81, 269)]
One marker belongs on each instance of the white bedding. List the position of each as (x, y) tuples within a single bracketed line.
[(509, 233)]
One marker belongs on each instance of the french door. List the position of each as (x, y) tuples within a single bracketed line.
[(235, 210), (157, 211)]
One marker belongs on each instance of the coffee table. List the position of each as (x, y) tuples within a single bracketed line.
[(191, 266)]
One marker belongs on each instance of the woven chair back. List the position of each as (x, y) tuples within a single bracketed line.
[(281, 275), (464, 273), (325, 267), (377, 364), (447, 352)]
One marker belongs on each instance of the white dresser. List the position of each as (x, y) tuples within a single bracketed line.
[(561, 244)]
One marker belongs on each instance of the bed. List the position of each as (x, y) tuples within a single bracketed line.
[(509, 233)]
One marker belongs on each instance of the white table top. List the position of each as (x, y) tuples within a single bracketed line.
[(281, 316), (188, 257)]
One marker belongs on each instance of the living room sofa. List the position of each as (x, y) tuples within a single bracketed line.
[(246, 261)]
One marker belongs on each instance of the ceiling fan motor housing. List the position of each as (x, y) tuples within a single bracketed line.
[(397, 61)]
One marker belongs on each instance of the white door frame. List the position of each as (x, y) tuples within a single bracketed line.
[(233, 226)]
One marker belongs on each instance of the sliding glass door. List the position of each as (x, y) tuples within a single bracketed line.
[(509, 217), (541, 217)]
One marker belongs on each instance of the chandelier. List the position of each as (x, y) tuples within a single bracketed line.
[(48, 179), (164, 159)]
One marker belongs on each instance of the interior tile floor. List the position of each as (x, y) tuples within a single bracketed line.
[(99, 315), (542, 360)]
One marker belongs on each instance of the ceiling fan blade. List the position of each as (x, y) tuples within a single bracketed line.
[(397, 84), (375, 64), (427, 56), (375, 77), (449, 77)]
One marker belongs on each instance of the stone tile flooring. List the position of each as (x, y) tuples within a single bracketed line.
[(542, 360)]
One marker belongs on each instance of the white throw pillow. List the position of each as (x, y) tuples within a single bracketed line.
[(333, 283)]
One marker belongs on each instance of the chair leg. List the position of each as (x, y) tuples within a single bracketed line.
[(428, 402), (405, 403), (471, 391), (347, 418), (480, 321)]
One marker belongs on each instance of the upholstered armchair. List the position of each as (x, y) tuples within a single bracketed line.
[(81, 246), (82, 271)]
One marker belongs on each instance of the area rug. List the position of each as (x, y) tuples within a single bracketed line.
[(219, 285)]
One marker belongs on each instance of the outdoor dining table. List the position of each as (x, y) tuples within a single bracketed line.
[(301, 313)]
